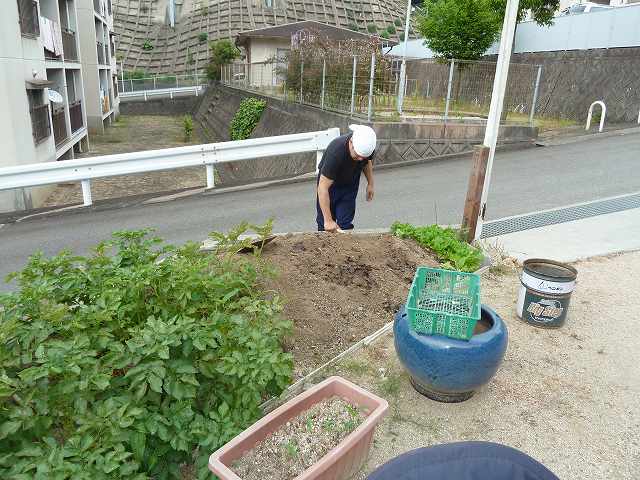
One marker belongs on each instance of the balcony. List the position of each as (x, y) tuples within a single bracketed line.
[(29, 18), (75, 112), (60, 134), (40, 123), (105, 104), (101, 55), (69, 45)]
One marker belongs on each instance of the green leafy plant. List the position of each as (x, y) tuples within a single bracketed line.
[(401, 36), (147, 46), (391, 30), (136, 360), (445, 243), (397, 22), (372, 28), (202, 37), (385, 35), (134, 74), (190, 59), (246, 118), (461, 29), (223, 52), (187, 123), (353, 26)]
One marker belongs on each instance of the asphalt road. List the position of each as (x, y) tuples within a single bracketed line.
[(523, 181)]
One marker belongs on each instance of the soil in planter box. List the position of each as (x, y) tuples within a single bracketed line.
[(301, 442)]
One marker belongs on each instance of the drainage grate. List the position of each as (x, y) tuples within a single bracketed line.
[(560, 215)]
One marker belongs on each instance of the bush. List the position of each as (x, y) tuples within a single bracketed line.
[(385, 35), (202, 37), (135, 360), (146, 46), (223, 52), (445, 242), (353, 27), (397, 22), (134, 74), (372, 28), (187, 123), (401, 36), (246, 118), (391, 30)]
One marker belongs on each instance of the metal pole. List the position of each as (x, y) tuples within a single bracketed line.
[(446, 107), (301, 76), (403, 67), (497, 100), (86, 192), (131, 80), (177, 81), (324, 72), (210, 176), (353, 85), (371, 79), (535, 96), (154, 82)]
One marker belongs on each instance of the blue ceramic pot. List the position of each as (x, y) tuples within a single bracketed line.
[(449, 370)]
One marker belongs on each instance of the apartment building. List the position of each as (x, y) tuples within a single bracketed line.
[(99, 65), (42, 100)]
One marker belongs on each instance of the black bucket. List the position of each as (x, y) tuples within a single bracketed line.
[(545, 292)]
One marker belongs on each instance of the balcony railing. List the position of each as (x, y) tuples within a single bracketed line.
[(60, 133), (75, 112), (40, 123), (29, 19), (69, 45), (101, 56)]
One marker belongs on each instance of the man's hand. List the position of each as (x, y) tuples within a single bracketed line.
[(369, 192), (330, 226)]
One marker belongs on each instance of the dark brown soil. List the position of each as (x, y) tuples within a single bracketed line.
[(300, 443), (340, 288)]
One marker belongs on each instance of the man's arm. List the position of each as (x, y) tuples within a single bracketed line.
[(368, 172), (325, 203)]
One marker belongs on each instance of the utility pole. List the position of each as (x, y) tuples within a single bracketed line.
[(480, 179), (403, 67)]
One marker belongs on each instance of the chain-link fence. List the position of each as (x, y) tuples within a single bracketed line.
[(161, 82), (367, 86)]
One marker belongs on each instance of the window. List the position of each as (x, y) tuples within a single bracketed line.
[(29, 19), (40, 122)]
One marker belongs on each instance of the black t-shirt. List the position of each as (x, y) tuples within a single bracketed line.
[(337, 164)]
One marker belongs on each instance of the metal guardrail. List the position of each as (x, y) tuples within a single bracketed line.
[(196, 90), (208, 155)]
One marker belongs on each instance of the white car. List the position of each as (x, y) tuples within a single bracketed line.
[(584, 8)]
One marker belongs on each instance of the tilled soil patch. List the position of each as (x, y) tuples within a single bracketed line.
[(339, 288)]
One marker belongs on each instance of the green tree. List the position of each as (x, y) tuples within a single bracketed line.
[(542, 11), (462, 29), (223, 52)]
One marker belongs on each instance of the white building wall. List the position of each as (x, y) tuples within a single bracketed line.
[(263, 50)]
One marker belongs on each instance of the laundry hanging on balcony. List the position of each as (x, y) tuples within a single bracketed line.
[(51, 35)]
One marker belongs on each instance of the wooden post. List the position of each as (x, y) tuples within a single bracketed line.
[(474, 192)]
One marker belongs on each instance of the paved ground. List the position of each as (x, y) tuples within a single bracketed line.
[(524, 181), (566, 397), (133, 133)]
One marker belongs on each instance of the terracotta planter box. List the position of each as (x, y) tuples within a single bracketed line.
[(343, 461)]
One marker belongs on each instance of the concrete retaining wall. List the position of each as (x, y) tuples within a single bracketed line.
[(398, 142)]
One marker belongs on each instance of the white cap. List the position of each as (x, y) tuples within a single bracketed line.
[(364, 140)]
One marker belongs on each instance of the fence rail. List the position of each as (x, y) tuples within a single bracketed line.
[(207, 155), (40, 125), (368, 86), (60, 133), (161, 82), (165, 92)]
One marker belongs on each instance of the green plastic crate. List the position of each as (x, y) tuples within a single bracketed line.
[(444, 302)]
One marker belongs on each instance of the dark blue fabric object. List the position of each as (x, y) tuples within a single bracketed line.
[(447, 365), (463, 461), (343, 204)]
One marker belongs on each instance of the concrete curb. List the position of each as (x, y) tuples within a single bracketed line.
[(587, 137)]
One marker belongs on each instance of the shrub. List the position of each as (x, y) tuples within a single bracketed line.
[(246, 118), (353, 26), (391, 30), (401, 36), (134, 74), (445, 242), (223, 52), (146, 46), (187, 123), (124, 363), (397, 22), (385, 35), (372, 28), (202, 37)]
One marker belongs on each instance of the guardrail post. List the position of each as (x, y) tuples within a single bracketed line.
[(446, 107), (177, 85), (211, 182), (301, 77), (353, 85), (535, 96), (603, 114), (145, 95), (154, 82), (371, 80), (86, 192), (131, 80), (324, 72)]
